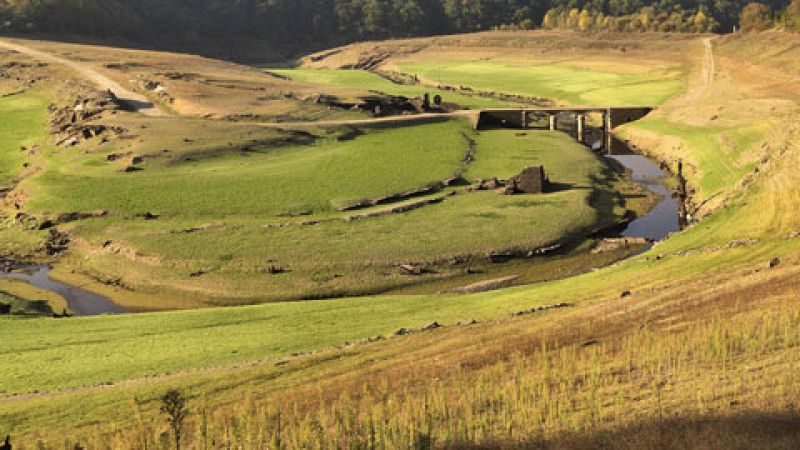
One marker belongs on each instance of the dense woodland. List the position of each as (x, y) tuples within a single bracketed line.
[(314, 24)]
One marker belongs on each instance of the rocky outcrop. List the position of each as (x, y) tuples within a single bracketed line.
[(70, 124), (613, 244)]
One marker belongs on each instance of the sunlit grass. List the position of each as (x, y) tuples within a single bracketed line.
[(555, 80)]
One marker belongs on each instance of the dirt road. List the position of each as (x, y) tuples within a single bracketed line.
[(135, 102), (709, 66)]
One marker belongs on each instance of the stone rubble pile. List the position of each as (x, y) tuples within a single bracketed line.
[(69, 123)]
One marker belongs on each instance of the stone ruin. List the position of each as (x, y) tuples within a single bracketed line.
[(69, 123), (155, 87), (532, 180)]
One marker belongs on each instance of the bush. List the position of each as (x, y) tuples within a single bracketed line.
[(755, 17)]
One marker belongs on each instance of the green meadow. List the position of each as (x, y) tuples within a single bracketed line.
[(271, 199), (362, 79), (573, 84), (650, 335), (23, 117)]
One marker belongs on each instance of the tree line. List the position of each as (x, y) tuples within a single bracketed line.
[(312, 24)]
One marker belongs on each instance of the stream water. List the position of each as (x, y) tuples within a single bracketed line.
[(81, 302), (663, 219)]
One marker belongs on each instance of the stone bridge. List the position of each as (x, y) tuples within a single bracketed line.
[(521, 118)]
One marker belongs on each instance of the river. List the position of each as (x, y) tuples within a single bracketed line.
[(81, 302)]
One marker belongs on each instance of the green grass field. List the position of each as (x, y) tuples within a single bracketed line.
[(560, 80), (719, 152), (243, 201), (250, 189), (708, 328), (263, 183), (23, 117), (361, 79)]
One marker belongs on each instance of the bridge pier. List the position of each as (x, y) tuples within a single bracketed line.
[(607, 137), (612, 117), (580, 125)]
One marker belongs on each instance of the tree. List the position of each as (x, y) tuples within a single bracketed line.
[(550, 19), (173, 405), (375, 18), (584, 20), (699, 22), (755, 17)]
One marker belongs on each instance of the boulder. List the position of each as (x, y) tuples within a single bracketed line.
[(410, 269), (431, 326)]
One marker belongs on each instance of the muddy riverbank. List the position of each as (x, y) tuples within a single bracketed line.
[(81, 302)]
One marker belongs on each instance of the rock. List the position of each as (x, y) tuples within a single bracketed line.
[(402, 332), (491, 184), (467, 322), (410, 269), (131, 169), (774, 262), (148, 216), (70, 142), (73, 216), (612, 244), (431, 326), (457, 260), (275, 270), (540, 309), (625, 294), (137, 159), (40, 306), (56, 242)]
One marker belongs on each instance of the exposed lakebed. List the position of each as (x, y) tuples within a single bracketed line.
[(656, 225), (81, 302)]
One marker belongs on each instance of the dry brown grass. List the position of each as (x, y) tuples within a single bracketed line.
[(677, 369), (204, 87)]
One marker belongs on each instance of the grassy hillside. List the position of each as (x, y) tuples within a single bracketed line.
[(23, 117), (701, 353), (577, 83), (618, 70), (253, 206), (361, 79)]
